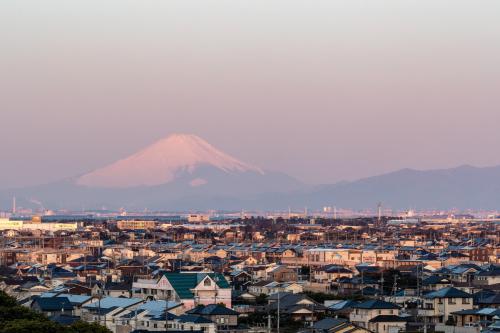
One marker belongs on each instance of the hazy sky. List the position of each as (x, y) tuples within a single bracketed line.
[(322, 90)]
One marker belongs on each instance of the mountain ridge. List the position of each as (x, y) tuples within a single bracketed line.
[(160, 162), (184, 172)]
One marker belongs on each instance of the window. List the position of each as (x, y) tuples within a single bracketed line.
[(207, 282), (451, 301), (465, 301)]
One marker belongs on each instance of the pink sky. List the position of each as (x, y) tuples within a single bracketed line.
[(322, 90)]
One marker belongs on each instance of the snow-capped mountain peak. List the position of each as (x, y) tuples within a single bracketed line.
[(162, 161)]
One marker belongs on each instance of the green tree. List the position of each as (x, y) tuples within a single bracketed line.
[(261, 299), (84, 327), (32, 325), (18, 319)]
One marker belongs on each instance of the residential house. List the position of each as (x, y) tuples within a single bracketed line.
[(438, 305), (378, 316), (335, 325), (224, 318), (52, 306), (191, 289), (282, 274), (298, 307)]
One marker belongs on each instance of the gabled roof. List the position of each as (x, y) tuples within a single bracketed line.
[(114, 302), (375, 304), (336, 269), (388, 319), (434, 279), (342, 305), (483, 312), (328, 323), (184, 282), (495, 272), (492, 299), (53, 303), (186, 318), (448, 292), (212, 310)]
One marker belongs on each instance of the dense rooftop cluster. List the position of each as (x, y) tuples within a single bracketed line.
[(257, 274)]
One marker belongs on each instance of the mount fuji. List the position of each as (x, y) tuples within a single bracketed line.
[(166, 161), (178, 172), (184, 172)]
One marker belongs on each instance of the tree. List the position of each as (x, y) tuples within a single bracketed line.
[(18, 319), (261, 299), (31, 325), (84, 327)]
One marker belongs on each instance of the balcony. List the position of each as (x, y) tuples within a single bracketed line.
[(429, 312)]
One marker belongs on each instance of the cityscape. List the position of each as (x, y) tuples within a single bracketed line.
[(233, 166)]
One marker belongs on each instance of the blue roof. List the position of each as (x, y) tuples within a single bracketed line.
[(74, 299), (194, 319), (448, 292), (157, 307), (375, 304), (53, 303), (114, 302)]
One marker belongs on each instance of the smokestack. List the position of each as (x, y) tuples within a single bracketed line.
[(379, 212), (13, 205)]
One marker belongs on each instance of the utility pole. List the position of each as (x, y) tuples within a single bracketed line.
[(382, 286), (99, 307), (166, 315), (278, 322)]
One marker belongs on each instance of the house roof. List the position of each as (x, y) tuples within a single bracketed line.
[(342, 305), (118, 286), (158, 307), (388, 319), (328, 323), (448, 292), (184, 282), (493, 299), (211, 310), (484, 312), (187, 318), (53, 303), (434, 279), (114, 302), (375, 304)]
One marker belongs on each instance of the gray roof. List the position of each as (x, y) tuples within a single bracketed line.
[(328, 323), (375, 304), (448, 292)]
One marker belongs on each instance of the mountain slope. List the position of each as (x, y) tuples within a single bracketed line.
[(461, 187), (183, 172), (162, 162), (179, 172)]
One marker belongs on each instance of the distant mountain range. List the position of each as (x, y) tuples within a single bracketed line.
[(184, 172)]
